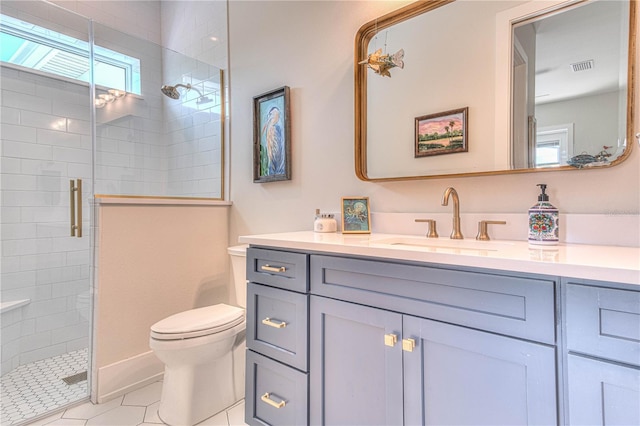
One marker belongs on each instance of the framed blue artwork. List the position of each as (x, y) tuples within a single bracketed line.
[(356, 218), (272, 136)]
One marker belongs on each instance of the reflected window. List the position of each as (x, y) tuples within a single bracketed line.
[(554, 145), (48, 51)]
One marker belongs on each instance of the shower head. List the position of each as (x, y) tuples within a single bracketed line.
[(172, 91)]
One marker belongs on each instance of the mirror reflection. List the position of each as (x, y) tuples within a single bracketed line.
[(570, 86), (552, 117)]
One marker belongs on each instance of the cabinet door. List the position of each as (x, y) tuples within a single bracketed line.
[(602, 393), (355, 378), (460, 376)]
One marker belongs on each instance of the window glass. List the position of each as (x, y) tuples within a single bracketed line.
[(42, 49)]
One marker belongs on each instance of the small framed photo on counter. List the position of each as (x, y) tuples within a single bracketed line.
[(355, 215)]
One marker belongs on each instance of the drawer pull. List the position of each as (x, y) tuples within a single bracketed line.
[(271, 402), (275, 324), (408, 345), (273, 268), (390, 339)]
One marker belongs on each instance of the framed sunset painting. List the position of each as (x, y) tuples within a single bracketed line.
[(442, 133)]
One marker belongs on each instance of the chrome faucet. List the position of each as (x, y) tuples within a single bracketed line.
[(455, 232)]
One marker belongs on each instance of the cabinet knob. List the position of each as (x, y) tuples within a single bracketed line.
[(390, 340), (274, 323), (267, 398), (408, 345)]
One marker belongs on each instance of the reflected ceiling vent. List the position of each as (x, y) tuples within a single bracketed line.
[(582, 66)]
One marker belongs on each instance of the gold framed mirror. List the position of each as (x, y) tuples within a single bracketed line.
[(464, 59)]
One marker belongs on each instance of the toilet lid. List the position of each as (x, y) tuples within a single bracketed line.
[(198, 322)]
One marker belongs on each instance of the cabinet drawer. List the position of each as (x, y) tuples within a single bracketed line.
[(278, 269), (518, 306), (277, 324), (604, 322), (276, 394)]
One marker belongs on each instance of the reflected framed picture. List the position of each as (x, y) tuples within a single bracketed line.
[(356, 218), (272, 136), (442, 133)]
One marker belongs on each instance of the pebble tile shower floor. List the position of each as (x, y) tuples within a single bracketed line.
[(33, 389)]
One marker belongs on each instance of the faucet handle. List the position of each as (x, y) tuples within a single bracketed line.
[(431, 228), (483, 235)]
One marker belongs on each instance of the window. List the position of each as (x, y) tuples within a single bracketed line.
[(554, 145), (45, 50)]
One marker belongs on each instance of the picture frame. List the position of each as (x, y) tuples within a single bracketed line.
[(356, 217), (272, 136), (441, 133)]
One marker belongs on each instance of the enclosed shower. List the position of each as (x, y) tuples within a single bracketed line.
[(83, 117)]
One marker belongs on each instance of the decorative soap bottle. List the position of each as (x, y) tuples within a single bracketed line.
[(543, 220), (324, 222)]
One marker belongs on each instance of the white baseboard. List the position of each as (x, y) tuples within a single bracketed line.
[(127, 375)]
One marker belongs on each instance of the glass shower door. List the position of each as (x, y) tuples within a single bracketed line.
[(46, 153)]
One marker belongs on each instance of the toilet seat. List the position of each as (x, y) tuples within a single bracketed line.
[(197, 322)]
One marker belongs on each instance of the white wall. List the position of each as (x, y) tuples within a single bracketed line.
[(595, 120), (309, 47)]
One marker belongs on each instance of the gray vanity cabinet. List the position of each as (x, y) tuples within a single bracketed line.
[(345, 340), (603, 342), (380, 361), (372, 366)]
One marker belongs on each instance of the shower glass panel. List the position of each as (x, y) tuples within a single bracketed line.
[(46, 154), (152, 145)]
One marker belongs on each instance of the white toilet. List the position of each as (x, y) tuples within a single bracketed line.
[(203, 351)]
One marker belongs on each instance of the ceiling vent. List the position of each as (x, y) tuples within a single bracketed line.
[(582, 66)]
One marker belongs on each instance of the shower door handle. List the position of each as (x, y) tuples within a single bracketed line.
[(75, 204)]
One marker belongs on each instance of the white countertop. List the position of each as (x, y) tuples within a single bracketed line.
[(606, 263)]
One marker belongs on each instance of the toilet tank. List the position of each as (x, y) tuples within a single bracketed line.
[(238, 256)]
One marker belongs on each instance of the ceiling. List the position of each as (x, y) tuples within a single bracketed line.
[(594, 31)]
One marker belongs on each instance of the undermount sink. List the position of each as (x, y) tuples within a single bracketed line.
[(443, 244)]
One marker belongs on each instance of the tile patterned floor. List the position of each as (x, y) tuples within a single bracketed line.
[(138, 407), (33, 389)]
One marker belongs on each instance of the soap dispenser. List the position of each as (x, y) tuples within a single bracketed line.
[(543, 220)]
